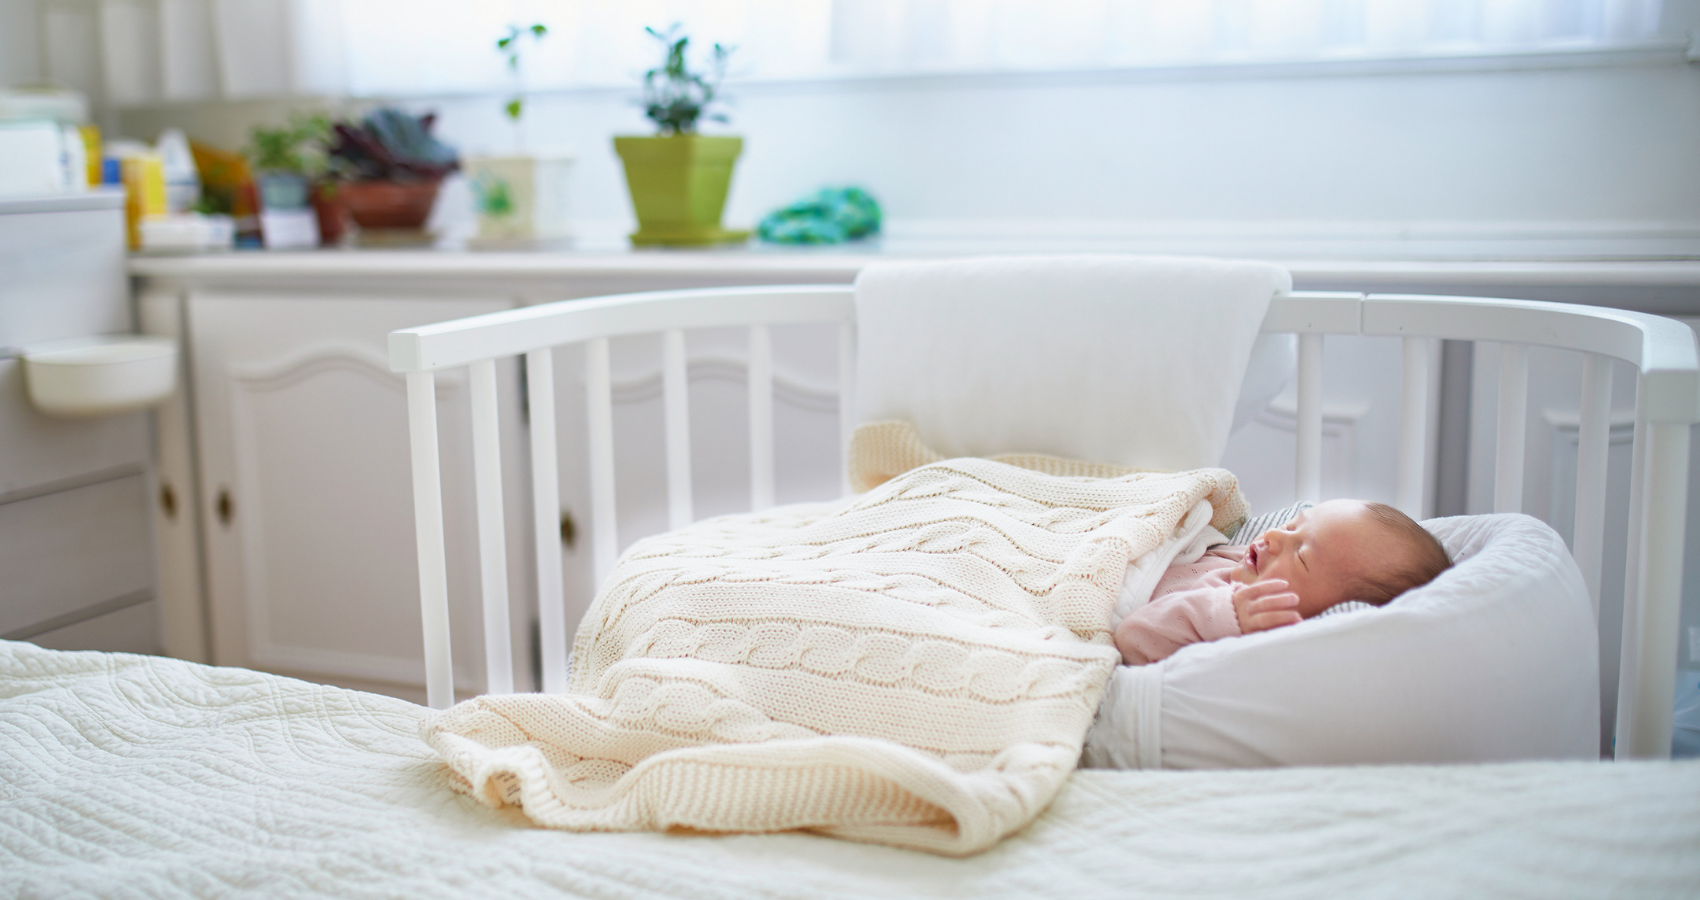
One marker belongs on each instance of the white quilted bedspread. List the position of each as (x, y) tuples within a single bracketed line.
[(127, 776)]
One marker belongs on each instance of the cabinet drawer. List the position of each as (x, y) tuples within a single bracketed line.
[(133, 629), (71, 550)]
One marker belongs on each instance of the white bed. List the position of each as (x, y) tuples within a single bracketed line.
[(131, 776), (134, 776)]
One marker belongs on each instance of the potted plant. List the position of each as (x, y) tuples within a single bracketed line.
[(287, 163), (521, 197), (679, 178), (388, 168)]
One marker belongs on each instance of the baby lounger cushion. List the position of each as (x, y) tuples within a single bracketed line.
[(1496, 659)]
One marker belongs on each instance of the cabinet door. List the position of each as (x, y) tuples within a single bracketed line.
[(307, 494)]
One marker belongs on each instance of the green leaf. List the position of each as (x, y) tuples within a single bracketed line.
[(502, 43), (514, 108), (539, 30)]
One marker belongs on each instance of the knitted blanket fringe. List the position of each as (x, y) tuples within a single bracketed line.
[(917, 666)]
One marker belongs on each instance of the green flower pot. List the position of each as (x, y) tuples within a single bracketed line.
[(678, 184)]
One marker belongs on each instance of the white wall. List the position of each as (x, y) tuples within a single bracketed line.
[(20, 58), (1596, 148), (1584, 145)]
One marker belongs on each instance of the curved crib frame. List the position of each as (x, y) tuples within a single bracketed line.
[(1667, 403)]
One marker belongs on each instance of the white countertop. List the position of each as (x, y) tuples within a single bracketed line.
[(836, 264)]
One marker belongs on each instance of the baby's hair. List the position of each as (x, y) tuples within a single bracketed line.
[(1426, 559)]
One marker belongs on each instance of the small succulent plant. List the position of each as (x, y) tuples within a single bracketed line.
[(390, 145), (674, 97)]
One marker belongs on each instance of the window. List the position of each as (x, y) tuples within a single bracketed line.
[(196, 49)]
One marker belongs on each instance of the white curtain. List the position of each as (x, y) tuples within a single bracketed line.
[(982, 35), (153, 50)]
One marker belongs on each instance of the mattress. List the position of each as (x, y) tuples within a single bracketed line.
[(131, 776)]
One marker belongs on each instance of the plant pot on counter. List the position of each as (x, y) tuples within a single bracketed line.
[(326, 197), (520, 198), (679, 184), (388, 206)]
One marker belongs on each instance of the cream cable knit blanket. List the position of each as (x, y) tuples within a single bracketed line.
[(881, 451), (917, 666)]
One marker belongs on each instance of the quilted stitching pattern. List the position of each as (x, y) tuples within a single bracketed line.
[(127, 776)]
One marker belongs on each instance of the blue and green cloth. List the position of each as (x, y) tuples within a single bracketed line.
[(831, 216)]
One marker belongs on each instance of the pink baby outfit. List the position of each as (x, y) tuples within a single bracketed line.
[(1193, 602)]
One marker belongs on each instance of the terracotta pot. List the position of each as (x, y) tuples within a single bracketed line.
[(333, 218), (388, 204)]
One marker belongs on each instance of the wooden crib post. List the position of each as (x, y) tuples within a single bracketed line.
[(1644, 702), (1513, 423), (1593, 447), (1413, 427), (1629, 648), (545, 527), (761, 417), (675, 390), (1309, 436), (492, 536), (846, 399), (605, 542), (428, 530)]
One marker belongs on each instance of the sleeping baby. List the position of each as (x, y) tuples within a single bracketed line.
[(1338, 551)]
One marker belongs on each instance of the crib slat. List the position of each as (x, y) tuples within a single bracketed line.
[(846, 398), (676, 399), (1629, 649), (492, 541), (428, 533), (1513, 412), (761, 417), (1413, 427), (1309, 436), (600, 432), (545, 528), (1646, 734), (1593, 449)]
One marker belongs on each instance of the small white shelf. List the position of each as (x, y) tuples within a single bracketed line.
[(100, 375)]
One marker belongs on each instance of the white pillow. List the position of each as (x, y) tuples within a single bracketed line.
[(1496, 659)]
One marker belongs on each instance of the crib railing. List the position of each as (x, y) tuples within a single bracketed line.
[(1667, 403)]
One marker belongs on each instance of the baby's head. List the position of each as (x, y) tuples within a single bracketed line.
[(1345, 550)]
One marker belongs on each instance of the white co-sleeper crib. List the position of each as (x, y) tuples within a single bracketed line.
[(1668, 402), (124, 775)]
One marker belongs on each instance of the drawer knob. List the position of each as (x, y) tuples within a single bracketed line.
[(226, 508)]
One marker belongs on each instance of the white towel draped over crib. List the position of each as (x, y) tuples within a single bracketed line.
[(1130, 360)]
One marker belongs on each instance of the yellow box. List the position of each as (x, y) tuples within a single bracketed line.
[(91, 151), (144, 193)]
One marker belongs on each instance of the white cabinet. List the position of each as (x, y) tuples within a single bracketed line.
[(305, 492), (76, 564)]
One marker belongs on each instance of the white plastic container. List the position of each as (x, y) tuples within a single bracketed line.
[(99, 375), (187, 233), (520, 198)]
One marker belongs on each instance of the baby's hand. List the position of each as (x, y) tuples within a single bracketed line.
[(1265, 605)]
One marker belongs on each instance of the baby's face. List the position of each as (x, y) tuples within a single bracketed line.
[(1320, 553)]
